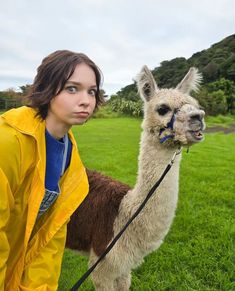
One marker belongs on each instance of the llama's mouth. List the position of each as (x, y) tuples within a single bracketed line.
[(197, 134)]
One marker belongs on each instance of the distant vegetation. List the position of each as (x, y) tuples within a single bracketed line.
[(12, 98), (217, 94)]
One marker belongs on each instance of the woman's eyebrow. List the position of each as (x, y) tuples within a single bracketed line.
[(78, 84)]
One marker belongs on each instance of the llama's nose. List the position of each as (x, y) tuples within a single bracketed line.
[(197, 116)]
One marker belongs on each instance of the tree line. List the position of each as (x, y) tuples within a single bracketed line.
[(11, 98)]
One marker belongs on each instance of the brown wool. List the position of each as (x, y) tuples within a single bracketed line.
[(91, 225)]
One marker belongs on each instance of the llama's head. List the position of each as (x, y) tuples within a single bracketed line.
[(172, 116)]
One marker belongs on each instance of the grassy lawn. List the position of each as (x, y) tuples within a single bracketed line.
[(198, 252)]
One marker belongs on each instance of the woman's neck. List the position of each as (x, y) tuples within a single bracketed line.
[(57, 129)]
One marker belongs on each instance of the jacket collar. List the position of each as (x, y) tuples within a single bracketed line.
[(23, 119)]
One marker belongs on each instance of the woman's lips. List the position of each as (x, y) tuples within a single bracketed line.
[(82, 114)]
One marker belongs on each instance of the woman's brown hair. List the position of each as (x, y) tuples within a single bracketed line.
[(52, 75)]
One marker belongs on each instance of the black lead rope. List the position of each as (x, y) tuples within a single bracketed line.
[(116, 238)]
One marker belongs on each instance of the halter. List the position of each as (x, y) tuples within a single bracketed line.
[(169, 125)]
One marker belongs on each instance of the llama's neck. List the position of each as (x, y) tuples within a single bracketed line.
[(155, 219), (153, 159)]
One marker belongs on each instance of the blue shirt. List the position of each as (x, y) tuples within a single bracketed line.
[(54, 163), (54, 159)]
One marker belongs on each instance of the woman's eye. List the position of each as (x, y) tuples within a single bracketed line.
[(71, 89), (92, 92), (163, 109)]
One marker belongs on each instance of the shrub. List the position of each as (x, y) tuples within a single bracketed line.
[(127, 107)]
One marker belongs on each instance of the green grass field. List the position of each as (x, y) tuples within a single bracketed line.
[(198, 252)]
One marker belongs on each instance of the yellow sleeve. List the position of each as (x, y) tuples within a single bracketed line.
[(9, 179), (10, 157), (6, 204), (43, 272)]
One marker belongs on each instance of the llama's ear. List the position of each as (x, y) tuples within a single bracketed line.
[(146, 84), (191, 81)]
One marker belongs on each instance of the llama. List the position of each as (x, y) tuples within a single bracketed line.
[(172, 118)]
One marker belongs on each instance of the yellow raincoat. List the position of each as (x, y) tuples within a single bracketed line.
[(31, 253)]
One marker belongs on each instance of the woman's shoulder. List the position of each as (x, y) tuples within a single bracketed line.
[(16, 148), (23, 119), (6, 132), (12, 125)]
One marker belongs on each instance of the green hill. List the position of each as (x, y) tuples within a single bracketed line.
[(217, 64)]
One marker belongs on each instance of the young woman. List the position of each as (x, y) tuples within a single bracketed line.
[(42, 179)]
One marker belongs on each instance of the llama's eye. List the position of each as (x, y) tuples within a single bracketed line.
[(163, 109)]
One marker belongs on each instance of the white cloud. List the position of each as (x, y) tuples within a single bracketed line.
[(120, 36)]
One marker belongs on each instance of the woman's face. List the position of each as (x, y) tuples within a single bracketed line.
[(76, 102)]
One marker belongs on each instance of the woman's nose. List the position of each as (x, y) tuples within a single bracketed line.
[(84, 98)]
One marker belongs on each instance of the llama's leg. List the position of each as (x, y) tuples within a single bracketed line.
[(108, 274), (102, 277), (123, 283), (102, 284)]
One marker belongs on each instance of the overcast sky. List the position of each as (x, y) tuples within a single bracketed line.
[(120, 36)]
